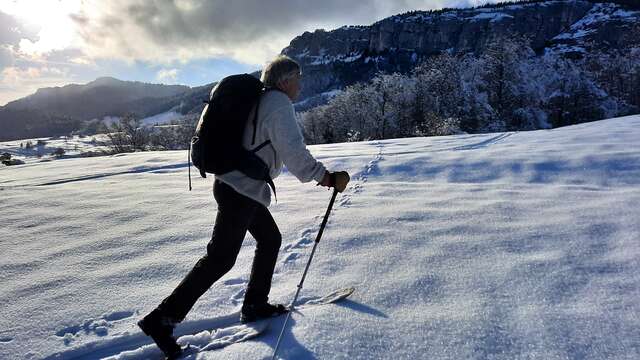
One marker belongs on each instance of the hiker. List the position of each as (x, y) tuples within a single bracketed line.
[(242, 205)]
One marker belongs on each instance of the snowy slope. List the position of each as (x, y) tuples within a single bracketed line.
[(162, 118), (73, 146), (493, 246)]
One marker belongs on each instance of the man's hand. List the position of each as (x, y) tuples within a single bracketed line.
[(337, 180)]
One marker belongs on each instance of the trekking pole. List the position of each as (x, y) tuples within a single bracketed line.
[(304, 275)]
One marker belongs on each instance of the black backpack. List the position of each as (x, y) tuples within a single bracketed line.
[(216, 147)]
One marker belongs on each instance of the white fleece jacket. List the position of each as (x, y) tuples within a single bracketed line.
[(276, 122)]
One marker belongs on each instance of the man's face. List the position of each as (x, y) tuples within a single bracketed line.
[(292, 86)]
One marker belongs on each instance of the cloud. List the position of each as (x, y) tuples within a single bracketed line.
[(11, 33), (167, 75), (6, 57), (17, 82), (15, 75), (12, 30), (251, 31), (196, 41)]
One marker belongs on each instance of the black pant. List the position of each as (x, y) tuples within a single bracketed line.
[(236, 214)]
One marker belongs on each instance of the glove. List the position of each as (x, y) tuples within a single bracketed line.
[(337, 180)]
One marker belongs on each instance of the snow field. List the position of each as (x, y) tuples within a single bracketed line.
[(492, 246), (73, 146)]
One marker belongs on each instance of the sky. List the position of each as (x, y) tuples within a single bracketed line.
[(45, 43)]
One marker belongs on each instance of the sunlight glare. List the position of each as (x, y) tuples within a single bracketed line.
[(56, 28)]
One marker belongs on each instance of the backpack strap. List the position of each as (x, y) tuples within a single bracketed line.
[(255, 116), (189, 166), (261, 146), (253, 139), (273, 187), (267, 177), (255, 119)]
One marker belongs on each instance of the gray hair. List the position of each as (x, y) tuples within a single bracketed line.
[(281, 68)]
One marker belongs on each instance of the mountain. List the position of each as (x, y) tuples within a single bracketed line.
[(59, 110), (101, 97), (334, 59)]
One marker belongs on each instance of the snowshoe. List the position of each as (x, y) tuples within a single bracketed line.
[(255, 312)]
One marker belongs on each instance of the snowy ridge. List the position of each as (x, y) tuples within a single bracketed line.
[(599, 14), (477, 13), (326, 59), (570, 29), (502, 246), (492, 16)]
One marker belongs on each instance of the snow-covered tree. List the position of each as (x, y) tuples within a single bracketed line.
[(439, 96), (506, 87), (128, 134)]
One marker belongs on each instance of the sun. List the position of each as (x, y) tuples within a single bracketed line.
[(51, 19)]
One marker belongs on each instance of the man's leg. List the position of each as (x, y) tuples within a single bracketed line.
[(268, 239), (235, 214)]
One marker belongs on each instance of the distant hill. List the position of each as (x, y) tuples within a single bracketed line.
[(59, 110), (101, 97)]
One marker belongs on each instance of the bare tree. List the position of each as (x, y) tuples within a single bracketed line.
[(128, 135), (174, 136)]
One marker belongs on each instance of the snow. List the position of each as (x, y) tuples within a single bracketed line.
[(331, 93), (473, 14), (72, 145), (577, 34), (517, 245), (327, 59), (564, 48), (162, 118), (110, 120), (603, 12), (599, 14), (492, 16)]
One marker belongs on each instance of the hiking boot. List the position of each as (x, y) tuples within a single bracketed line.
[(254, 312), (160, 329)]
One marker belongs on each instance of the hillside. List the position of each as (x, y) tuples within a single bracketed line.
[(62, 110), (101, 97), (517, 245)]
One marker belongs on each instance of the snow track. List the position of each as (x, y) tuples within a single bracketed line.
[(483, 144)]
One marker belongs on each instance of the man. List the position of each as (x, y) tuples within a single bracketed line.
[(242, 205)]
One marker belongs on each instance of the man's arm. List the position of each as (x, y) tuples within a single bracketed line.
[(288, 142)]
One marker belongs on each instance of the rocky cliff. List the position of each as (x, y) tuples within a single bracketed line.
[(334, 59)]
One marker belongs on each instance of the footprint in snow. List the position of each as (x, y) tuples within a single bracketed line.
[(291, 258), (302, 243), (306, 232), (238, 297), (118, 315), (99, 327), (235, 281)]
